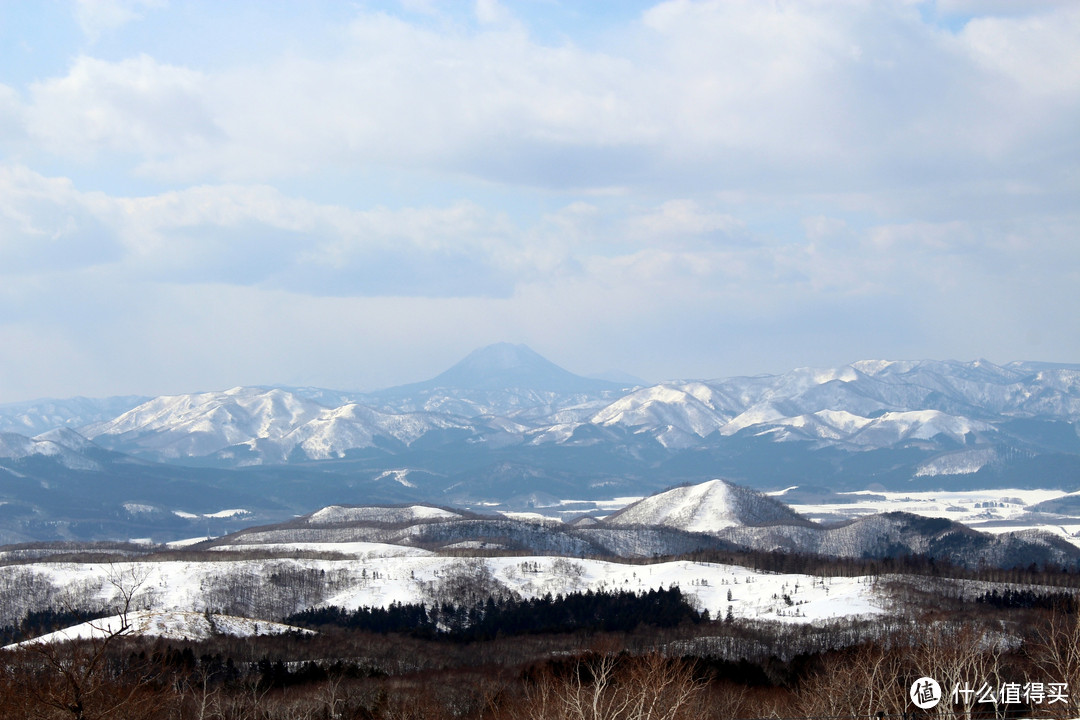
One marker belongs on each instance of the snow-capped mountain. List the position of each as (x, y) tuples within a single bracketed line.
[(65, 446), (677, 415), (707, 508), (505, 427), (38, 416), (259, 425), (172, 427)]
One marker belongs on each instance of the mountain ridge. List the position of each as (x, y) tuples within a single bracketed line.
[(902, 425)]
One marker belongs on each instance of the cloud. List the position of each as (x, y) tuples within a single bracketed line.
[(749, 95), (96, 17), (692, 97), (47, 226), (137, 108), (255, 235), (716, 182), (685, 218)]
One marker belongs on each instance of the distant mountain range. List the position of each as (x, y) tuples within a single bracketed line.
[(506, 428)]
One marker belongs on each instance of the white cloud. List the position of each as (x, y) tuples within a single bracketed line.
[(47, 226), (723, 96), (136, 108), (712, 180), (492, 12), (98, 16), (682, 218)]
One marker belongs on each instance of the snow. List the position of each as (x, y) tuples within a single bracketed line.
[(525, 515), (173, 593), (59, 445), (228, 513), (271, 423), (360, 550), (399, 476), (974, 508), (756, 415), (708, 507), (169, 625), (964, 462), (252, 425), (683, 410), (341, 514), (187, 542), (232, 512), (752, 593)]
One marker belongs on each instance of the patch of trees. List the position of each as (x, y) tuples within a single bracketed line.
[(781, 562), (1029, 599), (42, 622), (588, 612)]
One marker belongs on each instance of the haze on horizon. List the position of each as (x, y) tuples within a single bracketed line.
[(199, 195)]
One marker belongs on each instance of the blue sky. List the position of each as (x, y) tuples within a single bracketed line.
[(202, 195)]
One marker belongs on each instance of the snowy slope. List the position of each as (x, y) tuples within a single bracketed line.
[(167, 624), (678, 414)]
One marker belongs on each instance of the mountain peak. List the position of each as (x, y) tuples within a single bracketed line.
[(707, 507), (506, 366), (501, 357)]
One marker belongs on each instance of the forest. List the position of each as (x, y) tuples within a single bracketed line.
[(1001, 644)]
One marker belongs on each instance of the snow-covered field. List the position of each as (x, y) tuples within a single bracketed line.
[(993, 511), (168, 588)]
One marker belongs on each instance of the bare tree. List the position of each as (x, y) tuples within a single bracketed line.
[(1055, 650), (966, 660), (75, 677), (610, 687)]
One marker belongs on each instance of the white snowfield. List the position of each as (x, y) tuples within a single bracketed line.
[(169, 625), (991, 511)]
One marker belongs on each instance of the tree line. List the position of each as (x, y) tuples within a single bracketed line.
[(621, 611)]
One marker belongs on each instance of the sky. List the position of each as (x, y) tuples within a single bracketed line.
[(199, 195)]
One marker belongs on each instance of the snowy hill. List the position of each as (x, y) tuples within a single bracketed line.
[(707, 508)]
